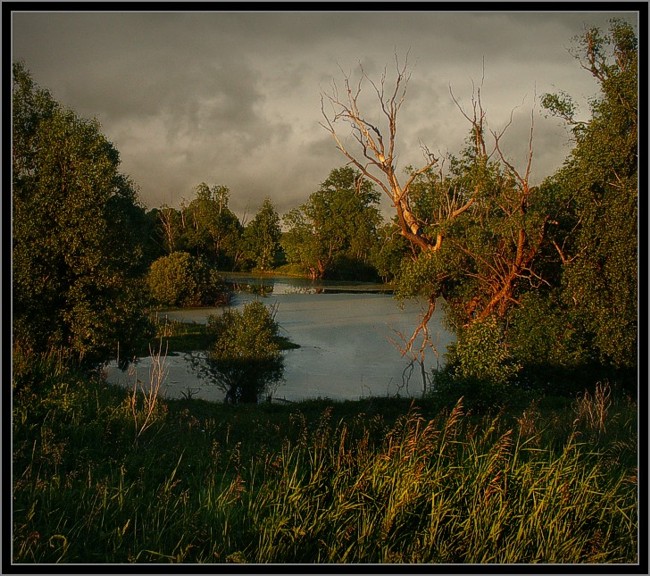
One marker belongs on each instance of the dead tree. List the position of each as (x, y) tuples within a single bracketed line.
[(376, 160), (377, 155), (374, 155)]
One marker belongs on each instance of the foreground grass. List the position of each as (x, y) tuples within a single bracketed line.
[(369, 481)]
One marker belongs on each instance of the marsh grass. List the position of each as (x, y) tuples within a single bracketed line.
[(371, 481), (144, 397), (181, 336)]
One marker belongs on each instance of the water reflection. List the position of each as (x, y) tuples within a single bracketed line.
[(265, 286), (349, 343)]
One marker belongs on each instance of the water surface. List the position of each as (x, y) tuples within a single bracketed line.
[(350, 341)]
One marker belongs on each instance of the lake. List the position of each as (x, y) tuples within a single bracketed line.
[(349, 337)]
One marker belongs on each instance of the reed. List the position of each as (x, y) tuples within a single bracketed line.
[(320, 483), (144, 397), (440, 491)]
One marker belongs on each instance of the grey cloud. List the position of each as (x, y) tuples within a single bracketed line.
[(233, 98)]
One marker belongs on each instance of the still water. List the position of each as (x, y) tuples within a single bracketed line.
[(349, 336)]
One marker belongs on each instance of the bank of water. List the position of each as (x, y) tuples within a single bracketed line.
[(350, 340)]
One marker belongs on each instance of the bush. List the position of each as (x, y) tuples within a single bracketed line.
[(245, 359), (180, 279), (481, 353), (479, 368)]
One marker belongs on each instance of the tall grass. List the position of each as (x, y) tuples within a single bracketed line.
[(446, 491), (144, 397), (208, 483)]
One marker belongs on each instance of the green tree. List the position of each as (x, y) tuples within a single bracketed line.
[(211, 228), (337, 228), (181, 279), (262, 237), (473, 232), (300, 244), (565, 296), (245, 359), (597, 240), (78, 255), (483, 238)]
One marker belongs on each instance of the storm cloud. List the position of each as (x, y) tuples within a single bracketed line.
[(234, 98)]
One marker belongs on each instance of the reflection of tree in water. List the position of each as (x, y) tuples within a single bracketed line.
[(245, 359), (258, 288)]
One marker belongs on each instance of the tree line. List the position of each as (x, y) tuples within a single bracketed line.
[(536, 280), (335, 234)]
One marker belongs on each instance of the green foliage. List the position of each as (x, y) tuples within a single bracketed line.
[(262, 237), (540, 333), (212, 230), (181, 279), (300, 245), (421, 276), (563, 106), (481, 353), (77, 246), (337, 226), (599, 186), (245, 359)]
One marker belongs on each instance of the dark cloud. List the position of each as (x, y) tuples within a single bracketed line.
[(233, 98)]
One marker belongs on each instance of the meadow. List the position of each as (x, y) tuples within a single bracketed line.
[(106, 475)]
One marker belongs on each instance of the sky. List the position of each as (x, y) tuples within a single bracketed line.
[(234, 98)]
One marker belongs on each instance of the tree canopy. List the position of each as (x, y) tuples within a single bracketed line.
[(78, 254), (337, 228), (261, 237), (211, 228), (597, 239), (181, 279)]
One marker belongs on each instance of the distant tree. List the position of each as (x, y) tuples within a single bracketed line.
[(211, 228), (170, 228), (338, 225), (245, 359), (181, 279), (262, 237), (78, 255)]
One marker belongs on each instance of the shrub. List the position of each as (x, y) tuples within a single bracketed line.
[(481, 353), (180, 279), (479, 368), (245, 359), (556, 350)]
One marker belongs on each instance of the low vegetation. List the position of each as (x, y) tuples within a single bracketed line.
[(178, 336), (379, 480)]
